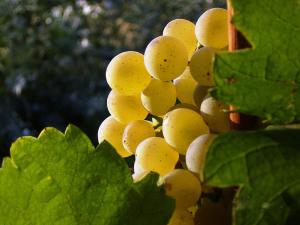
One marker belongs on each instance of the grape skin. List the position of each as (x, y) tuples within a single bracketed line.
[(213, 114), (185, 106), (196, 154), (158, 97), (212, 28), (201, 66), (127, 74), (166, 58), (200, 93), (111, 130), (184, 187), (181, 127), (135, 132), (184, 30), (154, 154), (139, 176), (186, 74), (185, 90), (126, 108)]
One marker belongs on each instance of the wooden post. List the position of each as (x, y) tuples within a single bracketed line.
[(237, 41)]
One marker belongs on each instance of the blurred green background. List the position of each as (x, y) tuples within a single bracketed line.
[(53, 56)]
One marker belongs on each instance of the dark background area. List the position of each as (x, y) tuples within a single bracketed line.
[(53, 56)]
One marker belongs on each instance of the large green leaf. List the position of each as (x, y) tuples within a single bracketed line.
[(266, 167), (61, 179), (264, 80)]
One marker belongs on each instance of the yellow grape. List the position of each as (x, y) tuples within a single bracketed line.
[(111, 130), (181, 217), (154, 154), (166, 58), (185, 90), (201, 66), (185, 106), (126, 108), (199, 94), (186, 74), (135, 132), (213, 114), (196, 153), (139, 176), (158, 97), (212, 28), (181, 127), (184, 187), (127, 74), (138, 169), (184, 30)]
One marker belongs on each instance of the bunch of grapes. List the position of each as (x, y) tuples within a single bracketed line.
[(161, 110)]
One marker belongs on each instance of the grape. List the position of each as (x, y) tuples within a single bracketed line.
[(213, 114), (154, 154), (184, 30), (199, 94), (158, 97), (186, 74), (181, 127), (135, 132), (201, 66), (185, 106), (184, 187), (111, 130), (139, 176), (196, 153), (137, 168), (166, 58), (127, 74), (185, 90), (126, 108), (212, 28), (181, 217)]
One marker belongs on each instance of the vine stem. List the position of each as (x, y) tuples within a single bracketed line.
[(237, 41)]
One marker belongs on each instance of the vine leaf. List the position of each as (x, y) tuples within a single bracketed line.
[(61, 179), (265, 80), (265, 165)]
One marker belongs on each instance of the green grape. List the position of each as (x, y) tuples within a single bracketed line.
[(186, 74), (201, 66), (184, 187), (127, 74), (212, 28), (158, 97), (196, 153), (213, 113), (111, 130), (181, 217), (199, 94), (154, 154), (135, 132), (185, 90), (166, 58), (184, 30), (126, 108), (181, 127)]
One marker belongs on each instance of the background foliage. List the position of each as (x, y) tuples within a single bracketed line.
[(53, 56)]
